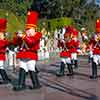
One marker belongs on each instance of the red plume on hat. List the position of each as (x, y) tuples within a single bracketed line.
[(3, 24), (32, 19), (98, 25)]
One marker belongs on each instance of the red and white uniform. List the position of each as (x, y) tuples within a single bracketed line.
[(29, 45), (29, 50), (65, 53), (96, 51), (3, 46), (74, 45), (3, 42), (96, 44)]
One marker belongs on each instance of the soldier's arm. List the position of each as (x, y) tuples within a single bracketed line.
[(34, 39)]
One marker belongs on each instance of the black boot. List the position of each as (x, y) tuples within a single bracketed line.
[(4, 77), (72, 62), (35, 80), (89, 59), (37, 70), (76, 64), (21, 81), (70, 69), (61, 72), (94, 70)]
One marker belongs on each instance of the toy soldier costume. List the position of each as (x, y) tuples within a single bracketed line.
[(4, 43), (74, 46), (96, 50), (65, 55), (28, 45)]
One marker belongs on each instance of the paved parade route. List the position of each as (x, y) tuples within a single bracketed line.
[(78, 87)]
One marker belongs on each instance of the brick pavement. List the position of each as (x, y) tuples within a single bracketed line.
[(79, 87)]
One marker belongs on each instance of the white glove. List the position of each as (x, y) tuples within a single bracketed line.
[(19, 35)]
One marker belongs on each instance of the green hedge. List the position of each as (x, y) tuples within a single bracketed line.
[(56, 23)]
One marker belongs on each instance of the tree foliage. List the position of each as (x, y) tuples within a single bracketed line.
[(18, 7), (49, 9), (57, 8)]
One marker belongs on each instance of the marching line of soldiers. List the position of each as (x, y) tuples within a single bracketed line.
[(28, 44), (71, 46)]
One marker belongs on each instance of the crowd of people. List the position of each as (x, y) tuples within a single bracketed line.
[(29, 42)]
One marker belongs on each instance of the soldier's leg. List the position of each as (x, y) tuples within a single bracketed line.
[(62, 67), (33, 75), (94, 67), (61, 71), (75, 61), (70, 68), (37, 70), (72, 61), (3, 74), (94, 70), (90, 57), (21, 77)]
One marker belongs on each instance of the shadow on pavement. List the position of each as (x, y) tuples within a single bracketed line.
[(68, 89)]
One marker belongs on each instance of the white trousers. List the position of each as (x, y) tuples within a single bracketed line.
[(91, 54), (66, 60), (27, 65), (12, 58), (74, 56), (1, 64), (96, 59)]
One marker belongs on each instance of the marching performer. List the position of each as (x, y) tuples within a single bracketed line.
[(4, 43), (28, 45), (84, 40), (74, 46), (65, 55), (96, 50)]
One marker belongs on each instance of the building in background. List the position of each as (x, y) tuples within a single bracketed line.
[(97, 2)]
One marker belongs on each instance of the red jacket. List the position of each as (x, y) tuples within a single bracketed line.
[(3, 45), (64, 52), (29, 51), (95, 45), (73, 46), (96, 49)]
